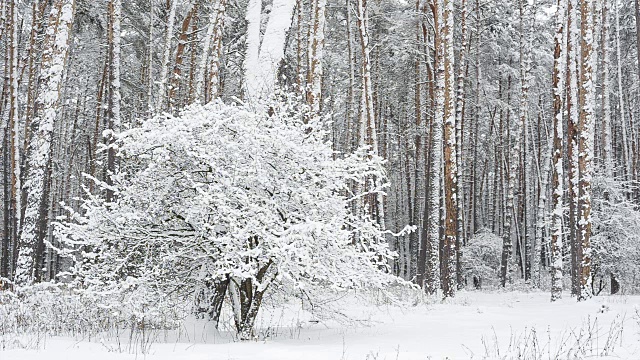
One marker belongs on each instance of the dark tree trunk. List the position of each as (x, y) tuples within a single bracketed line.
[(615, 285)]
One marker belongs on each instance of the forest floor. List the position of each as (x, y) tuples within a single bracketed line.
[(474, 325)]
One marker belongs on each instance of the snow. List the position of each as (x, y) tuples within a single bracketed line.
[(463, 328)]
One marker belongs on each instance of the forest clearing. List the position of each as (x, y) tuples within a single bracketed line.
[(474, 325)]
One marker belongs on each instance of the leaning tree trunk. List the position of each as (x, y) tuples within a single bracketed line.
[(14, 123), (56, 48), (177, 77), (213, 44), (246, 299), (211, 298), (626, 153), (524, 118)]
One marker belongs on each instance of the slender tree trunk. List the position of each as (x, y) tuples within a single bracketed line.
[(114, 121), (314, 73), (558, 169), (368, 128), (506, 266), (56, 49), (585, 147), (450, 166), (572, 145), (524, 117), (215, 88), (14, 123), (607, 157), (351, 134), (166, 57), (626, 154), (460, 107), (637, 16), (432, 283), (150, 78), (177, 77)]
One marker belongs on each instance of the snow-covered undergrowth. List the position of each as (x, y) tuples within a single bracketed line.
[(43, 311), (475, 325)]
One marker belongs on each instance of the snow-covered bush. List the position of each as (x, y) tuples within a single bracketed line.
[(482, 258), (46, 309), (616, 235), (228, 199)]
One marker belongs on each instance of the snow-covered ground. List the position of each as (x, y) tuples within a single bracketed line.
[(474, 325)]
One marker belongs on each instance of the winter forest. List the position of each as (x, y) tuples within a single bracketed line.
[(321, 179)]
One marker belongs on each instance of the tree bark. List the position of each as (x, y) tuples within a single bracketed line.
[(558, 169), (450, 166), (585, 147), (56, 49)]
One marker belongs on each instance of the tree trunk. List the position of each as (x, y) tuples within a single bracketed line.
[(460, 107), (176, 79), (585, 147), (558, 169), (166, 57), (606, 151), (432, 283), (450, 166), (56, 48), (572, 145), (114, 120), (314, 73)]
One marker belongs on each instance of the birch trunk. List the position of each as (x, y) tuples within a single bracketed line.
[(558, 169)]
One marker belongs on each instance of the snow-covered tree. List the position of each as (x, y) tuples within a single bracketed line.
[(482, 258), (616, 235), (558, 170), (586, 125), (226, 195)]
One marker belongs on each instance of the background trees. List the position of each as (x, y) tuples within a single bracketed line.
[(465, 101)]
